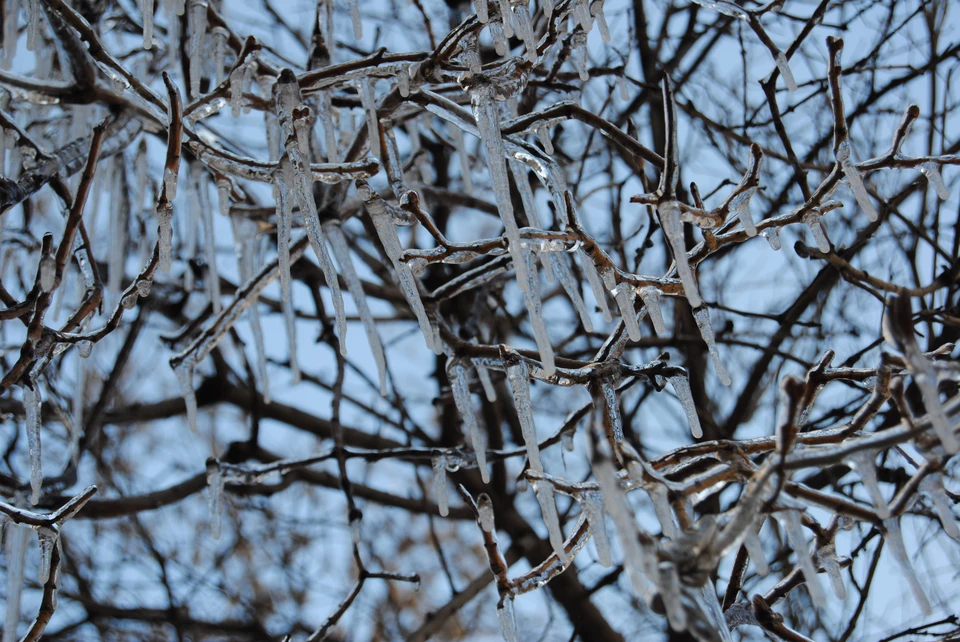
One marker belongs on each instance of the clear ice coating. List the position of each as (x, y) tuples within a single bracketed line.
[(625, 296), (245, 236), (596, 284), (793, 528), (932, 487), (341, 252), (461, 397), (856, 184), (165, 234), (651, 299), (579, 43), (16, 555), (465, 166), (615, 503), (439, 463), (740, 206), (198, 29), (485, 509), (48, 541), (488, 389), (525, 28), (669, 212), (570, 285), (932, 171), (184, 374), (215, 483), (483, 14), (592, 505), (531, 297), (681, 386), (369, 103), (548, 508), (784, 66), (508, 619), (702, 317), (237, 81), (32, 412), (505, 15), (864, 462), (611, 407), (894, 539), (518, 375)]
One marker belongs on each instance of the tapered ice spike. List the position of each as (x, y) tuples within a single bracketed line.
[(531, 296), (894, 539), (548, 508), (465, 166), (670, 592), (740, 206), (681, 386), (856, 183), (485, 509), (625, 295), (32, 411), (827, 554), (592, 505), (651, 299), (793, 528), (369, 103), (505, 15), (784, 67), (615, 503), (184, 373), (610, 407), (439, 464), (146, 7), (508, 619), (488, 389), (215, 489), (596, 10), (932, 487), (198, 29), (669, 212), (864, 463), (482, 12), (660, 496), (596, 284), (772, 234), (341, 252), (932, 171), (356, 18), (702, 317), (571, 286), (518, 375), (579, 45), (16, 540), (290, 322), (754, 546), (461, 397)]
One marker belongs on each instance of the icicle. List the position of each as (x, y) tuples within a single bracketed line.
[(325, 116), (754, 546), (681, 386), (548, 508), (369, 102), (483, 14), (525, 28), (827, 555), (488, 122), (244, 234), (220, 40), (865, 464), (184, 373), (932, 487), (198, 29), (281, 193), (463, 157), (499, 39), (596, 284), (894, 540), (616, 505), (622, 85), (16, 554), (932, 171), (625, 295), (592, 505), (440, 482), (215, 499), (581, 13), (485, 508), (341, 252), (542, 130), (579, 44), (669, 212), (508, 619), (611, 407), (146, 7), (290, 321), (356, 18), (571, 286), (209, 240), (740, 206), (505, 15), (403, 81), (596, 9), (651, 299), (772, 234), (461, 396), (793, 528), (670, 593), (518, 375), (33, 25), (48, 540), (531, 296), (383, 223), (165, 234), (32, 408), (237, 81), (11, 19), (48, 272), (566, 438), (660, 496), (702, 317), (856, 184), (488, 390), (784, 67)]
